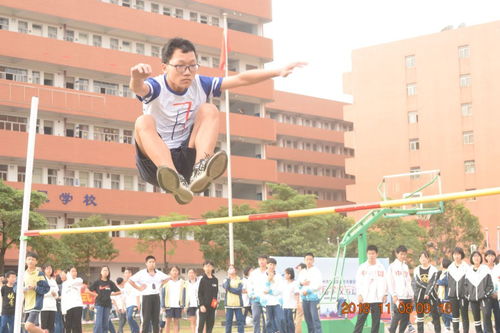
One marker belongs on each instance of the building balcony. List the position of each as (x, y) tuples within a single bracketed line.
[(306, 132), (153, 26), (312, 157), (294, 179)]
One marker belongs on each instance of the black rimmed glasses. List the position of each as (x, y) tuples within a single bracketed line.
[(182, 68)]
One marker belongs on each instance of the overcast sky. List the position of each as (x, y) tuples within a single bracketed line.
[(324, 32)]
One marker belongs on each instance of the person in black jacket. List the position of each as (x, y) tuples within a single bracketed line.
[(207, 298), (456, 293), (425, 294), (479, 288)]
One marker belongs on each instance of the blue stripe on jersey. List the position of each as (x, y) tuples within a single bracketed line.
[(211, 85), (154, 91)]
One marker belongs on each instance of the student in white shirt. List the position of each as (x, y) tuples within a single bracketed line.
[(273, 299), (174, 299), (456, 293), (177, 134), (48, 314), (149, 281), (399, 285), (290, 299), (132, 301), (191, 286), (246, 299), (120, 305), (71, 301), (371, 289), (256, 284), (310, 291)]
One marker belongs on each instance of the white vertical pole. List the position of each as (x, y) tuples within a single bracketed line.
[(228, 148), (26, 213)]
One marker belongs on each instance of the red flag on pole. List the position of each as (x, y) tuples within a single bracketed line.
[(223, 56)]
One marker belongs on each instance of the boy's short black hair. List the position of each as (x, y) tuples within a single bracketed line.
[(372, 248), (119, 280), (291, 272), (460, 251), (32, 255), (272, 261), (490, 253), (150, 257), (9, 273), (263, 256), (301, 265), (401, 248), (176, 43), (309, 254), (445, 263)]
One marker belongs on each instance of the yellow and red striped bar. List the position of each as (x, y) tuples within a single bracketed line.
[(270, 216)]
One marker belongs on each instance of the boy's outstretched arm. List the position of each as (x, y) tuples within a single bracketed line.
[(258, 75), (138, 74)]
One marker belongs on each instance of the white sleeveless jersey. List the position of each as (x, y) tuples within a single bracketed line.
[(175, 112)]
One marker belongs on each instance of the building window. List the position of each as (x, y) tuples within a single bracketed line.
[(52, 222), (139, 4), (139, 48), (166, 11), (48, 127), (69, 35), (114, 44), (21, 174), (126, 3), (69, 222), (470, 166), (410, 61), (115, 233), (179, 13), (106, 134), (193, 16), (466, 109), (115, 182), (83, 131), (52, 32), (82, 84), (97, 40), (83, 38), (412, 117), (215, 21), (127, 136), (465, 80), (414, 170), (414, 144), (470, 198), (468, 137), (141, 186), (411, 89), (69, 178), (48, 79), (204, 19), (155, 51), (83, 179), (97, 180), (37, 29), (218, 190), (4, 23), (11, 123), (128, 183), (52, 176), (464, 51), (3, 172), (155, 8), (22, 27), (105, 88), (126, 46)]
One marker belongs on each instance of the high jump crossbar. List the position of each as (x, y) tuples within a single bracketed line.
[(274, 215)]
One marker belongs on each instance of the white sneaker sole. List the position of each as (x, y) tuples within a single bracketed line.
[(215, 168), (168, 180)]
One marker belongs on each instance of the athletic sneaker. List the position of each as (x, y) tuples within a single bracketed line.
[(172, 182), (207, 170)]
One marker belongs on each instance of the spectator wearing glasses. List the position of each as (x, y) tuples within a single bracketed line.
[(176, 136), (149, 281)]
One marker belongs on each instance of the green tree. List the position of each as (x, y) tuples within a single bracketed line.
[(388, 233), (248, 238), (455, 227), (52, 251), (90, 246), (11, 206), (297, 236), (149, 239)]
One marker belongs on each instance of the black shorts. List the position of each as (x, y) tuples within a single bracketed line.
[(183, 158), (173, 312), (191, 311)]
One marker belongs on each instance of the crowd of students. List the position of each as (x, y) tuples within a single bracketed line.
[(153, 301), (446, 294)]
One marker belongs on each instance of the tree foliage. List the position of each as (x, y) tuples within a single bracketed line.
[(149, 239), (89, 247)]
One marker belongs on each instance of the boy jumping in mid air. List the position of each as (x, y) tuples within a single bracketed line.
[(176, 136)]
